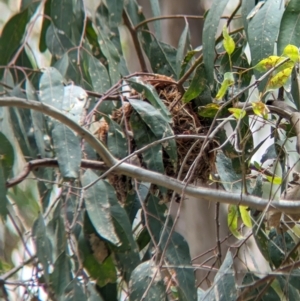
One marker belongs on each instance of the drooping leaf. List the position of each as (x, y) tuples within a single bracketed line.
[(103, 272), (162, 58), (289, 32), (62, 15), (43, 245), (227, 82), (152, 157), (268, 63), (279, 79), (263, 30), (67, 149), (11, 37), (209, 33), (188, 59), (276, 180), (245, 215), (260, 109), (151, 94), (116, 141), (158, 125), (99, 75), (224, 287), (115, 9), (156, 212), (97, 201), (51, 88), (142, 285), (57, 41), (6, 165), (209, 111), (61, 275), (228, 41), (183, 44), (232, 221), (197, 85), (237, 113), (155, 7), (178, 254), (292, 52)]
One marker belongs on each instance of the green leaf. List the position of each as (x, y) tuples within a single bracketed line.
[(61, 275), (183, 44), (67, 149), (98, 199), (245, 215), (188, 58), (263, 30), (11, 37), (51, 88), (230, 180), (158, 125), (142, 135), (62, 15), (228, 41), (74, 102), (115, 9), (232, 220), (117, 143), (57, 41), (45, 25), (197, 85), (38, 121), (292, 52), (156, 211), (209, 32), (227, 82), (43, 245), (156, 13), (224, 287), (209, 111), (289, 32), (146, 283), (178, 254), (162, 58), (109, 50), (99, 75), (103, 272), (151, 94), (6, 165)]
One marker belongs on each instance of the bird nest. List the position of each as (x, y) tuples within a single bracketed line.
[(184, 122)]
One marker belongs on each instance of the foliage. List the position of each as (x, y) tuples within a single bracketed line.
[(92, 153)]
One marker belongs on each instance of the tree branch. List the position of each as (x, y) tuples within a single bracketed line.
[(141, 174)]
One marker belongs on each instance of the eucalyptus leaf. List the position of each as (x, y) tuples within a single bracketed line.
[(67, 149), (142, 285), (209, 32), (159, 127), (177, 254)]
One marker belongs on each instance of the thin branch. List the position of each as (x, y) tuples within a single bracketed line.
[(141, 174)]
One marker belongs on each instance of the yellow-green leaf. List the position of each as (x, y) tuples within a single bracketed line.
[(279, 79), (292, 52), (275, 180), (268, 63), (228, 41), (232, 221), (227, 82), (237, 113), (245, 214), (260, 109), (209, 111)]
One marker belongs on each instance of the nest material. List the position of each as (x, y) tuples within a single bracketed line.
[(185, 121)]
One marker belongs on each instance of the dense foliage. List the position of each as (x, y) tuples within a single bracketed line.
[(91, 154)]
